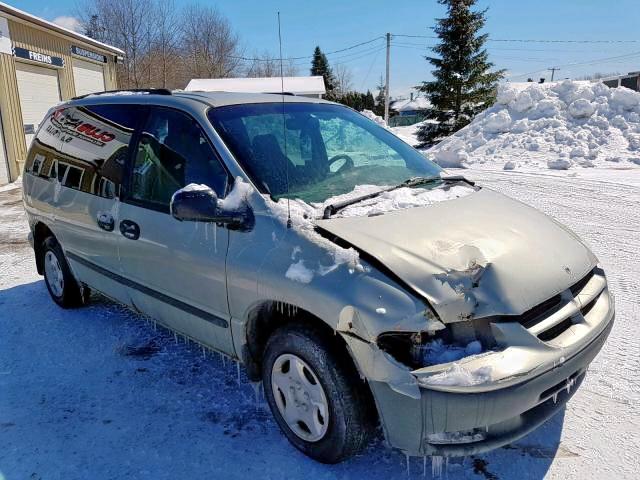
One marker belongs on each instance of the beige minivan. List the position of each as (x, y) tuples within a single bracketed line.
[(352, 276)]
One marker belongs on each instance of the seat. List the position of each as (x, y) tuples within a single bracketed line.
[(271, 164)]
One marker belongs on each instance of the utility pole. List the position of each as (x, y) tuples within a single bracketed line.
[(386, 87), (553, 71)]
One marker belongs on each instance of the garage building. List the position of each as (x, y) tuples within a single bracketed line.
[(42, 64)]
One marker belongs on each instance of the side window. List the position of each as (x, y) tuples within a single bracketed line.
[(95, 146), (173, 151)]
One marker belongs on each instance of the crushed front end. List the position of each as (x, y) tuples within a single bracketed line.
[(475, 385)]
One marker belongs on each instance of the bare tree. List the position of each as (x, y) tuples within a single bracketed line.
[(344, 79), (124, 24), (266, 65), (211, 47), (164, 52)]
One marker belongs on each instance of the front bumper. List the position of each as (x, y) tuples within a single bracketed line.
[(501, 412)]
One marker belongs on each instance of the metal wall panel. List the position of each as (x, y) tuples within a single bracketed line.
[(37, 39)]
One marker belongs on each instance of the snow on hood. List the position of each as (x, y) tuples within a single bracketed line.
[(553, 125), (303, 217)]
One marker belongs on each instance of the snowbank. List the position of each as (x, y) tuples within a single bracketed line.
[(559, 125), (376, 118)]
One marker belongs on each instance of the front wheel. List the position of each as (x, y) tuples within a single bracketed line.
[(316, 399)]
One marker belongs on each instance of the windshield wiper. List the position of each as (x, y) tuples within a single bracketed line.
[(334, 208)]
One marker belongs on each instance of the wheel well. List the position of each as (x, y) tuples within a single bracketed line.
[(40, 233), (269, 316)]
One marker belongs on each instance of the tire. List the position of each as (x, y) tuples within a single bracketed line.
[(349, 422), (62, 285)]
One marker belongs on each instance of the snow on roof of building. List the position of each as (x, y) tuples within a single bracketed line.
[(21, 15), (418, 103), (295, 85)]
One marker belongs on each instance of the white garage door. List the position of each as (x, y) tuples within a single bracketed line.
[(39, 91), (88, 77)]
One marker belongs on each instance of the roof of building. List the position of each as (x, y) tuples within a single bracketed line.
[(295, 85), (418, 103), (17, 13)]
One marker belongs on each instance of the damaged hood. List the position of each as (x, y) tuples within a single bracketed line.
[(480, 255)]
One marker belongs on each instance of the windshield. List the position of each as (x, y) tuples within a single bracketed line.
[(320, 150)]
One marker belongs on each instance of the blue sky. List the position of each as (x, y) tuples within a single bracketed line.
[(338, 24)]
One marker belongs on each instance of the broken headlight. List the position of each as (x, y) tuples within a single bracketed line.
[(420, 349)]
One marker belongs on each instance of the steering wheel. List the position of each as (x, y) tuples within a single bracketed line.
[(347, 165)]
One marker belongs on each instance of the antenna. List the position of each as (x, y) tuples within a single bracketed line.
[(284, 126)]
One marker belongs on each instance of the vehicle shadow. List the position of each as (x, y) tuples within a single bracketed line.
[(97, 392)]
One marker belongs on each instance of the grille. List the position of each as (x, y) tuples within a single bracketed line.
[(541, 312)]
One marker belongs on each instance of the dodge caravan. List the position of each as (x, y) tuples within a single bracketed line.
[(357, 280)]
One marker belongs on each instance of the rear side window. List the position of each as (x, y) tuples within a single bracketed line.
[(173, 151), (95, 146)]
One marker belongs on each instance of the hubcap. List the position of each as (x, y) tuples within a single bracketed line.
[(54, 277), (300, 398)]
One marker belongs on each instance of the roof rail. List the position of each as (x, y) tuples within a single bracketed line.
[(149, 91)]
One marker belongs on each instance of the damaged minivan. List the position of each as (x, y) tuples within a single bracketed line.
[(358, 281)]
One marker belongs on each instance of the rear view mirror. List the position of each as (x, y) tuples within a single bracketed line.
[(199, 203)]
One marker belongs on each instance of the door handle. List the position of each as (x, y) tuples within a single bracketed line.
[(106, 222), (130, 229)]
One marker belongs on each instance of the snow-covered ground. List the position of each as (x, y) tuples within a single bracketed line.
[(98, 393)]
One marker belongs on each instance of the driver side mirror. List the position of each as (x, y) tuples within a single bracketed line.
[(199, 203)]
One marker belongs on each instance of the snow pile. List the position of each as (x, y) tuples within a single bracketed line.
[(237, 196), (558, 126), (376, 118)]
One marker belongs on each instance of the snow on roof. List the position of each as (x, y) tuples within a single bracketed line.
[(8, 9), (296, 85), (418, 103)]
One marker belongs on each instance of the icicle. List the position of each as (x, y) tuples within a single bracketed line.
[(446, 466), (215, 238), (256, 391), (224, 360), (204, 352), (238, 371), (408, 466), (436, 466), (175, 337), (206, 232), (555, 397), (155, 327), (570, 383), (424, 466)]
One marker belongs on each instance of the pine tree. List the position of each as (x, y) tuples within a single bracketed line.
[(369, 101), (380, 97), (320, 66), (464, 84)]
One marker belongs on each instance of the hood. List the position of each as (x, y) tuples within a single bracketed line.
[(480, 255)]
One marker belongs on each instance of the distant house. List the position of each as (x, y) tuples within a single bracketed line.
[(411, 106), (408, 111), (630, 80), (303, 86)]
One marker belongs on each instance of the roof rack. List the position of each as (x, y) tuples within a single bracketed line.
[(149, 91)]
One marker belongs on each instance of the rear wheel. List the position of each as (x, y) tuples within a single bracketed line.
[(316, 399), (62, 286)]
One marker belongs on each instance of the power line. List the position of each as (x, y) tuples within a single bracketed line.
[(306, 57), (527, 40)]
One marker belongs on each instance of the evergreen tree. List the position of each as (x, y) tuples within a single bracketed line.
[(369, 101), (379, 100), (464, 84), (320, 66)]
